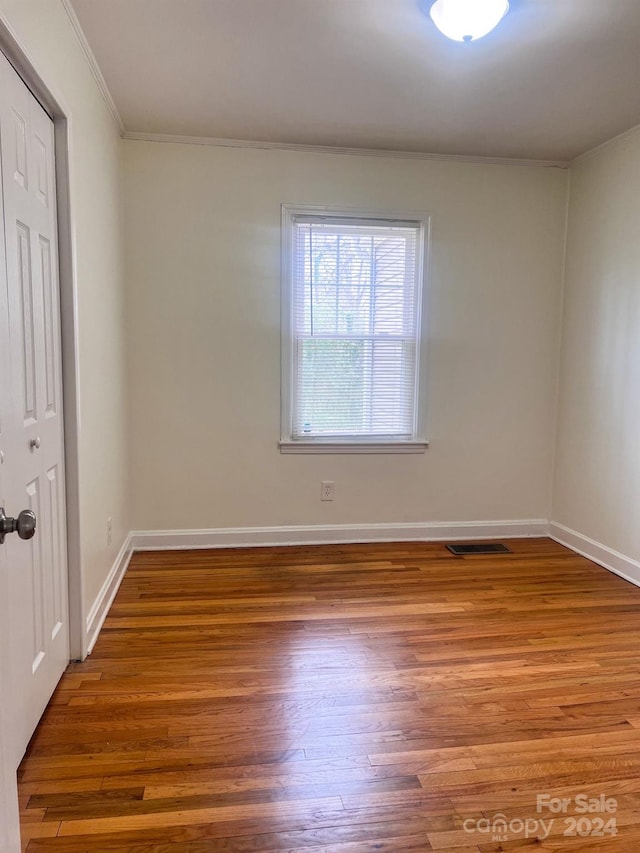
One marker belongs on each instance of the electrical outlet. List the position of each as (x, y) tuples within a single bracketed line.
[(109, 531), (326, 490)]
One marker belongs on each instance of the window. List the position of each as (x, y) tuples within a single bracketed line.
[(352, 294)]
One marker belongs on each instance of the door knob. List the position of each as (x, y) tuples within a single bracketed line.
[(35, 443), (24, 525)]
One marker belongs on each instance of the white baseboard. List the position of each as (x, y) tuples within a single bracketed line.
[(325, 534), (104, 599), (614, 561), (320, 534)]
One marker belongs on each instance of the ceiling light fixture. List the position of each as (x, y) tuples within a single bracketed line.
[(468, 20)]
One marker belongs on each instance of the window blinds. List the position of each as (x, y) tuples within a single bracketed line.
[(355, 300)]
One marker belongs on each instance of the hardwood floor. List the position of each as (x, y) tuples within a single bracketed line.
[(346, 699)]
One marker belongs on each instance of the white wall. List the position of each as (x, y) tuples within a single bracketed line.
[(44, 31), (597, 481), (203, 262)]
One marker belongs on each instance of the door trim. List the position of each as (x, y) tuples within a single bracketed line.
[(9, 819), (55, 105)]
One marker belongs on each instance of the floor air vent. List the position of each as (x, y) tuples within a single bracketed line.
[(482, 548)]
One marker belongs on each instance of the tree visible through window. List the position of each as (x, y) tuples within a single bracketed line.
[(355, 297)]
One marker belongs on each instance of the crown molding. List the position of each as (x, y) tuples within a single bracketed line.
[(221, 142), (593, 152), (93, 63), (328, 149)]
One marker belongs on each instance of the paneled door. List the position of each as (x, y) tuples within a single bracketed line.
[(35, 606)]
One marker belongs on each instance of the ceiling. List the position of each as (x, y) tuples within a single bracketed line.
[(555, 79)]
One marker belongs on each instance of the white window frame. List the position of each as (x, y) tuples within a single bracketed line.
[(418, 442)]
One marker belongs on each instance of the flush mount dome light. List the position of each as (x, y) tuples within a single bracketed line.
[(468, 20)]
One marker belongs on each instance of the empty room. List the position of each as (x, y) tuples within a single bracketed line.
[(319, 426)]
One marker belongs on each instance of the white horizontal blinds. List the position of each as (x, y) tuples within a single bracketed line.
[(355, 308)]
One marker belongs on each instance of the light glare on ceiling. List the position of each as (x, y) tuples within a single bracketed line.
[(468, 20)]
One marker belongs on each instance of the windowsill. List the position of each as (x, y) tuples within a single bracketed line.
[(329, 446)]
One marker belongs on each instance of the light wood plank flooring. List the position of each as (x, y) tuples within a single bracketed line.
[(347, 699)]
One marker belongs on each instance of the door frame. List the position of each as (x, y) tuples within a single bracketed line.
[(9, 816), (54, 104)]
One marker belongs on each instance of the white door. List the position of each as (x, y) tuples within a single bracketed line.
[(31, 436)]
